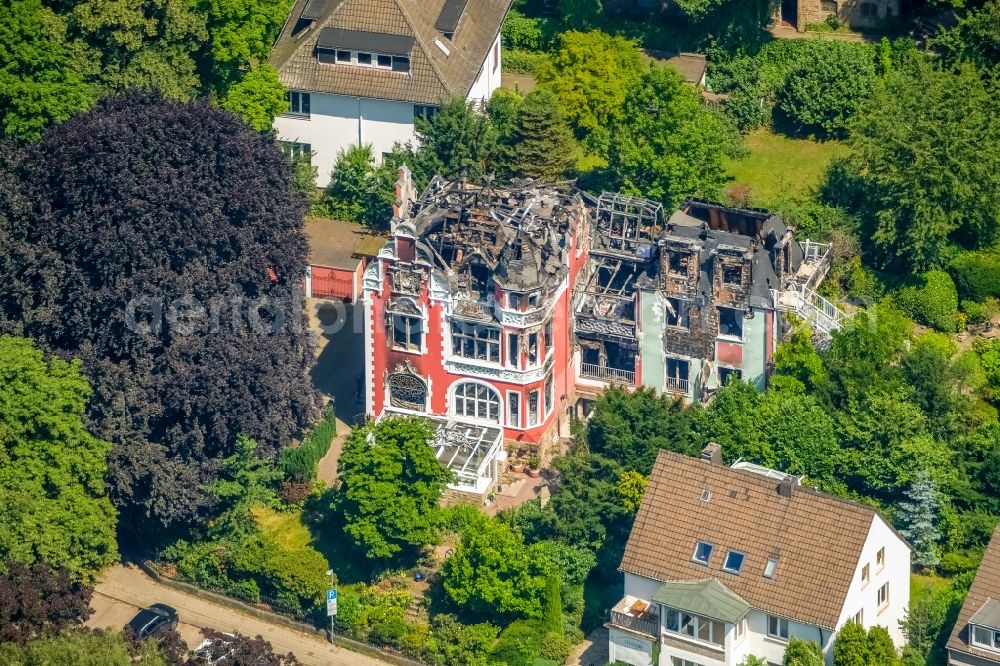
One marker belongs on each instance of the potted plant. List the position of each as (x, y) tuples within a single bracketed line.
[(534, 463), (516, 465)]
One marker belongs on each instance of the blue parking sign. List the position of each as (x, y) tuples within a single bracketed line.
[(331, 595)]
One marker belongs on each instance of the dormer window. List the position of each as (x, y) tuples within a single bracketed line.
[(732, 275), (337, 46), (985, 637), (343, 57), (702, 552)]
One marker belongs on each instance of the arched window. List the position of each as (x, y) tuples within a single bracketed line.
[(477, 401), (408, 391)]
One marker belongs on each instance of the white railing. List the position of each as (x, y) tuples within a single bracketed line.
[(806, 303), (606, 374), (677, 385)]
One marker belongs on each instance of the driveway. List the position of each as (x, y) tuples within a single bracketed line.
[(123, 590)]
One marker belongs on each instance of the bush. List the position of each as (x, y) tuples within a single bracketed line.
[(934, 304), (521, 32), (976, 274), (516, 61), (981, 313), (302, 463), (520, 644)]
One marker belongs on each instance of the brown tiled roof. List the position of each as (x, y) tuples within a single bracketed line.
[(337, 244), (433, 75), (817, 538), (985, 586)]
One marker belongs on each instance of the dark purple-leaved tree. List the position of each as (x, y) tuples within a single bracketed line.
[(39, 601), (165, 248)]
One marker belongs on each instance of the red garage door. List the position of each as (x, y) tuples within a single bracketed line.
[(332, 284)]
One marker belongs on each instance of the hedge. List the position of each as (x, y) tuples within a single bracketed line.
[(301, 464), (934, 303), (977, 275)]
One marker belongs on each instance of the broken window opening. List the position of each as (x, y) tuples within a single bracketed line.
[(475, 341), (514, 350), (727, 375), (533, 349), (678, 263), (731, 323), (732, 274), (407, 333), (678, 374), (549, 393), (678, 313)]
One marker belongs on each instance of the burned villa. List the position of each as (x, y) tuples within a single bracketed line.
[(507, 306)]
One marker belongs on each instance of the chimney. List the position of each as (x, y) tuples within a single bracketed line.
[(786, 487), (405, 195), (712, 453)]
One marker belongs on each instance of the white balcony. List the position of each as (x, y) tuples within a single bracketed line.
[(606, 374)]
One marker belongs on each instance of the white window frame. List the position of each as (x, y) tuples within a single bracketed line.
[(882, 597), (880, 559), (859, 617), (550, 393), (539, 408), (865, 575), (512, 397), (777, 628), (478, 403), (304, 100), (696, 625), (770, 567), (994, 645)]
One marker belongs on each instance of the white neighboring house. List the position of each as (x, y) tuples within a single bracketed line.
[(975, 639), (725, 562), (360, 71)]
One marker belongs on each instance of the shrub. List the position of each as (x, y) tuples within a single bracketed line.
[(520, 644), (517, 61), (521, 32), (302, 463), (935, 303), (976, 274), (981, 313), (293, 492)]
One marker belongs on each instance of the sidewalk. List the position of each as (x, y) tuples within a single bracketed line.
[(122, 590)]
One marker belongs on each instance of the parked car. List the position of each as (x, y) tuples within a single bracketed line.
[(152, 620)]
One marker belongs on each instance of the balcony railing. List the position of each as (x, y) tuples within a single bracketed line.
[(606, 374), (647, 623), (677, 385)]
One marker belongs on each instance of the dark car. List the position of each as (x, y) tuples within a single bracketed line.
[(152, 620)]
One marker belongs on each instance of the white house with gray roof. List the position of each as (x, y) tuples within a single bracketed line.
[(361, 71)]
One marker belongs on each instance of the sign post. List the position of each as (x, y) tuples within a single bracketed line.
[(331, 608)]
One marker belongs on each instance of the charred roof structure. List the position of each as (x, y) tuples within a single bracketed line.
[(481, 235)]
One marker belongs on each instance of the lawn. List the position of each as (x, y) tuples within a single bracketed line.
[(779, 167), (286, 527)]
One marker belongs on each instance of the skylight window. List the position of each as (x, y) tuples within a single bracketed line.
[(771, 566), (702, 552), (706, 495), (734, 561)]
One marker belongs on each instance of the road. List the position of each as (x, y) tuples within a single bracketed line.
[(123, 590)]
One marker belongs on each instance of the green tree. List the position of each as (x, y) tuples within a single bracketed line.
[(591, 73), (975, 39), (149, 44), (82, 647), (493, 572), (41, 77), (632, 488), (850, 648), (580, 14), (241, 33), (51, 469), (667, 145), (881, 650), (359, 191), (390, 487), (258, 97), (796, 358), (802, 653), (917, 518), (541, 145), (457, 139), (823, 94), (631, 427), (753, 660), (924, 168)]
